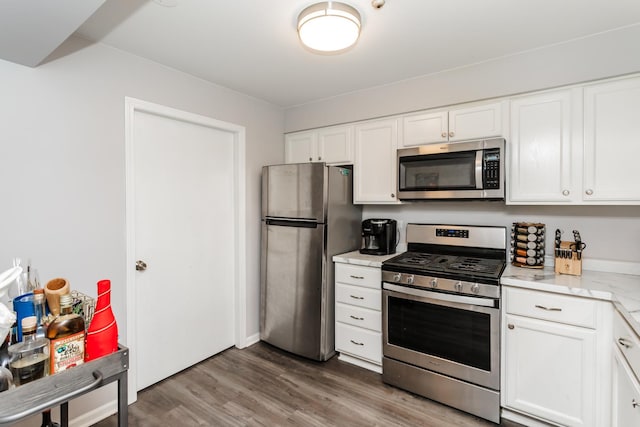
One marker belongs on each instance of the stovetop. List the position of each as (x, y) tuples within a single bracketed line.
[(425, 263)]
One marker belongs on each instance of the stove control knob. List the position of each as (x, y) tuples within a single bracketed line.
[(458, 286), (397, 277), (434, 283), (475, 288), (410, 279)]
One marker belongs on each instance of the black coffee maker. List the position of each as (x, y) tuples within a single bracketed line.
[(378, 236)]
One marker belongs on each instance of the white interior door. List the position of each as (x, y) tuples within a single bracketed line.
[(183, 221)]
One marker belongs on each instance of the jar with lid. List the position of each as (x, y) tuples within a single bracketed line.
[(30, 357)]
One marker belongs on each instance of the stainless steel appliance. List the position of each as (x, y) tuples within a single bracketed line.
[(456, 170), (379, 236), (307, 217), (441, 316)]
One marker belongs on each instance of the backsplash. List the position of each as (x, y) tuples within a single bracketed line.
[(610, 232)]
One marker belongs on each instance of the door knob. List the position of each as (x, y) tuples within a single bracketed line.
[(141, 265)]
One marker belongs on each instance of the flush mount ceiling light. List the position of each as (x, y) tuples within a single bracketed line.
[(329, 27)]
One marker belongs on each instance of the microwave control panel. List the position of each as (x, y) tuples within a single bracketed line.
[(491, 169)]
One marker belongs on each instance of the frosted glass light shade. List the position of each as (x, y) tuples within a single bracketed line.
[(329, 26)]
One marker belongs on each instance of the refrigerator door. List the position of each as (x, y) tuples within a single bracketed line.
[(293, 307), (294, 191)]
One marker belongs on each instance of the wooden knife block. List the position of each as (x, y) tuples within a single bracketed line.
[(571, 266)]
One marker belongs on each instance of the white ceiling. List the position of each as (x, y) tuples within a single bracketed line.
[(251, 46)]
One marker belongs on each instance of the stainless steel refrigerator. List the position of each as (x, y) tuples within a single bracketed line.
[(308, 216)]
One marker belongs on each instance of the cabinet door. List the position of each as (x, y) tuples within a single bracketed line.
[(541, 163), (335, 145), (550, 370), (626, 394), (425, 128), (374, 169), (611, 148), (300, 147), (481, 121)]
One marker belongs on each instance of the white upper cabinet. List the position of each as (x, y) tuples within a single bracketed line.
[(576, 146), (541, 148), (375, 165), (300, 147), (611, 142), (332, 145), (459, 124)]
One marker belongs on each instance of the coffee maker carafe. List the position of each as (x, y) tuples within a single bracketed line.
[(378, 236)]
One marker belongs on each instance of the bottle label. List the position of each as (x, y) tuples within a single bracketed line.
[(67, 352)]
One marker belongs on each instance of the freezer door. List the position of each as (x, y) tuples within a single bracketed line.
[(294, 191), (293, 306)]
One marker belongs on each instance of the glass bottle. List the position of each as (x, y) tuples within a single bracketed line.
[(6, 378), (102, 335), (29, 358), (66, 333), (39, 306)]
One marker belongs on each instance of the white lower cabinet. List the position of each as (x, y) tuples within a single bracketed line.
[(625, 402), (556, 358), (358, 315)]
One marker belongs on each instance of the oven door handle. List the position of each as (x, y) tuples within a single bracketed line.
[(440, 296)]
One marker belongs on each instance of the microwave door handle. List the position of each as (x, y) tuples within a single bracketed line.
[(479, 156)]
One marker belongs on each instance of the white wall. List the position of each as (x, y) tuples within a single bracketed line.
[(605, 55), (611, 233), (62, 174)]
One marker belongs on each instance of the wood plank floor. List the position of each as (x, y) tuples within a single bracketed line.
[(264, 386)]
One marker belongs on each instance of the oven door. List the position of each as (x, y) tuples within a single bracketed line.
[(453, 335)]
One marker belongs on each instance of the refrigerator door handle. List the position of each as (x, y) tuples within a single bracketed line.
[(304, 223)]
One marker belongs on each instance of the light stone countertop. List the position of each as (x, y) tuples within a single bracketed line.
[(357, 258), (623, 290)]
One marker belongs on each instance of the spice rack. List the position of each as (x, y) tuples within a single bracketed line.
[(48, 392), (527, 244)]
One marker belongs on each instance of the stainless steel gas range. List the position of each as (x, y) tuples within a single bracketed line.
[(441, 316)]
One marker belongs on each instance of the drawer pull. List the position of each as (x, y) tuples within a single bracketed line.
[(510, 326), (356, 297), (356, 343), (548, 308), (625, 342), (356, 318), (634, 403), (357, 277)]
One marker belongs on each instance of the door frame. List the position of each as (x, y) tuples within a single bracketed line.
[(133, 105)]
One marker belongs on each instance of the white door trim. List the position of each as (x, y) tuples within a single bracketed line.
[(132, 106)]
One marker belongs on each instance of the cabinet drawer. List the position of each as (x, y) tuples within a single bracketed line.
[(369, 277), (628, 343), (357, 295), (548, 306), (357, 316), (359, 342)]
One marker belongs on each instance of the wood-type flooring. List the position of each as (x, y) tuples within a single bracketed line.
[(264, 386)]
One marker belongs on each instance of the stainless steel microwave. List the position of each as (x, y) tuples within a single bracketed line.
[(456, 170)]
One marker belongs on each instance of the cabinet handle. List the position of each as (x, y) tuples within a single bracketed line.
[(444, 134), (393, 195), (548, 308), (356, 277), (589, 192), (319, 158), (452, 133), (634, 404), (625, 342), (311, 159), (356, 318), (356, 297), (356, 343), (565, 193), (510, 326)]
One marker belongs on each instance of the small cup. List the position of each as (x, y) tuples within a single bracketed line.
[(52, 290)]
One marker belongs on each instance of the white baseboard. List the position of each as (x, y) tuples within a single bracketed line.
[(95, 415), (359, 362), (251, 340)]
